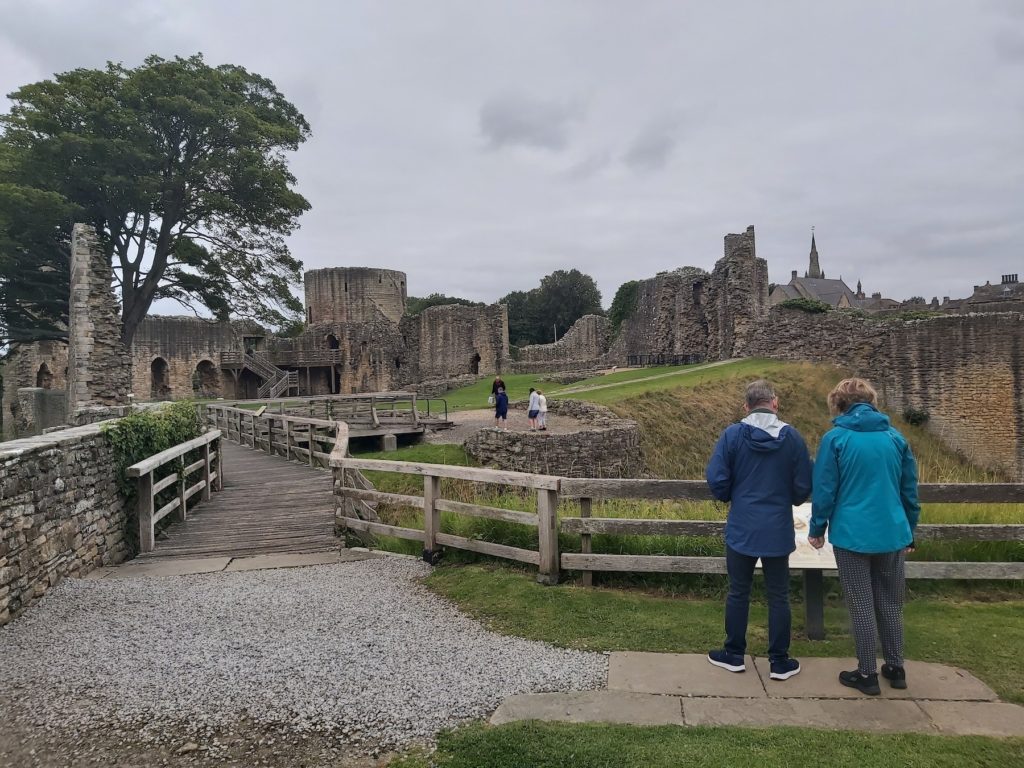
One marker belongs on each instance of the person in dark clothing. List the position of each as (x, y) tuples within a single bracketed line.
[(497, 384), (761, 467), (500, 408)]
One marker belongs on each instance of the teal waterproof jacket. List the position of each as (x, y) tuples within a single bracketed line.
[(865, 484)]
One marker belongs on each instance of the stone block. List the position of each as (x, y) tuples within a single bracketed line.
[(684, 674), (591, 707)]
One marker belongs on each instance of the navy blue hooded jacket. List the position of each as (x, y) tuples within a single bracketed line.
[(761, 466)]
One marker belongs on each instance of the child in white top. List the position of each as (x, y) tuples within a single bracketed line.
[(542, 411)]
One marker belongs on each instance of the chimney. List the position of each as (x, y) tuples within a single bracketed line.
[(792, 275), (1009, 279), (876, 295), (945, 299)]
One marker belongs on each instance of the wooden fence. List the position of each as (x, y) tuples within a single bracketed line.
[(300, 437), (210, 464)]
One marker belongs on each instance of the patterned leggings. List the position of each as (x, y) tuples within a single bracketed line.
[(873, 586)]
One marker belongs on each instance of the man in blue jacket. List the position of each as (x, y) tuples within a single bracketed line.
[(762, 468)]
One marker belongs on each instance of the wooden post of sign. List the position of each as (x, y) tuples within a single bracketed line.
[(547, 536), (814, 603)]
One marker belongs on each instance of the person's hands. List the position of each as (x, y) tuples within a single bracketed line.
[(910, 548), (816, 541)]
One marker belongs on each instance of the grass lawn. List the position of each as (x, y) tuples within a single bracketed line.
[(561, 745), (983, 637)]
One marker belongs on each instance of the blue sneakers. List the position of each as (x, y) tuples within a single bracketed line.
[(722, 658), (784, 669)]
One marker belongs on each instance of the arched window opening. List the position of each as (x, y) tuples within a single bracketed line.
[(474, 363), (398, 363), (44, 378), (206, 380), (332, 341), (160, 379)]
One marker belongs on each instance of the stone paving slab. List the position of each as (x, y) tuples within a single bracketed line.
[(836, 714), (591, 707), (680, 674), (976, 718), (169, 567), (261, 562), (819, 679)]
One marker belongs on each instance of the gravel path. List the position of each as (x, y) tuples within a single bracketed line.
[(357, 649)]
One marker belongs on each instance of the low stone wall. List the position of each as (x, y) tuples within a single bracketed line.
[(438, 387), (60, 513), (606, 445), (558, 366)]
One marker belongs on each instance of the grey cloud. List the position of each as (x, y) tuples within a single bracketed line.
[(513, 119), (653, 148), (589, 166)]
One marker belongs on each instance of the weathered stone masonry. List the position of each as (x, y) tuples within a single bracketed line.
[(606, 446), (60, 513), (966, 371)]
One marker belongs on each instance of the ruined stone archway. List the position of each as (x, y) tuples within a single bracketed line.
[(206, 380), (160, 379), (474, 363), (44, 378), (332, 341)]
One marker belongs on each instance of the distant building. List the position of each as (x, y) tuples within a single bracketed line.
[(814, 285)]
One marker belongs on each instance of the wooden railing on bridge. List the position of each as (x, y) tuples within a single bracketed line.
[(279, 434), (550, 490), (210, 464)]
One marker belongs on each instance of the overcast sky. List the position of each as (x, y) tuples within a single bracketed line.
[(479, 145)]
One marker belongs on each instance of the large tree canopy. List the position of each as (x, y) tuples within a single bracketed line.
[(544, 314), (180, 166)]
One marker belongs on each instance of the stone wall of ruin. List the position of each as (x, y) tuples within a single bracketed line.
[(606, 446), (737, 298), (669, 318), (99, 365), (184, 344), (354, 295), (452, 340), (964, 370), (60, 513), (24, 368), (583, 345)]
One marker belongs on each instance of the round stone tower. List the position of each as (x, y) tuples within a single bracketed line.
[(354, 295)]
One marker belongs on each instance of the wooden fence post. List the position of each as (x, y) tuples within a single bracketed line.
[(144, 504), (287, 438), (585, 544), (547, 536), (311, 444), (206, 473), (431, 517), (182, 512), (220, 465)]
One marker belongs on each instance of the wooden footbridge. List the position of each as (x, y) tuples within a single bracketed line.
[(264, 505)]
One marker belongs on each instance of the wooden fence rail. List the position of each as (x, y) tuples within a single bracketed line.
[(211, 466)]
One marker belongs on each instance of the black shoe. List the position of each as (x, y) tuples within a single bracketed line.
[(896, 676), (864, 683)]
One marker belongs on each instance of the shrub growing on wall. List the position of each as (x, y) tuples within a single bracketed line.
[(149, 432), (812, 306)]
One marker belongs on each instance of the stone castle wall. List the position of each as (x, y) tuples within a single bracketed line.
[(99, 365), (60, 513), (737, 298), (451, 340), (354, 295), (24, 367), (583, 344), (965, 370), (669, 318), (189, 348), (607, 446)]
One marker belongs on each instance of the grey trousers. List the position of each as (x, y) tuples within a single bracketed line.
[(873, 586)]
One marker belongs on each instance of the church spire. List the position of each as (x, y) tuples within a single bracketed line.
[(815, 268)]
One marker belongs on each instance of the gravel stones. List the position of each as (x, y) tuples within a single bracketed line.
[(355, 649)]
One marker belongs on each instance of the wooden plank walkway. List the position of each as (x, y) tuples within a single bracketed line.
[(268, 505)]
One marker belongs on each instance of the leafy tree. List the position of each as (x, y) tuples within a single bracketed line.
[(624, 303), (811, 306), (34, 262), (180, 166), (562, 298), (414, 305)]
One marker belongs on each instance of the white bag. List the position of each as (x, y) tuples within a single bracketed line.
[(490, 399)]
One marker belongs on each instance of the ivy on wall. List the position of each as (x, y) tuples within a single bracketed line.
[(811, 306)]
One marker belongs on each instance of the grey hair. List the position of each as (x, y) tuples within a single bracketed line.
[(759, 392)]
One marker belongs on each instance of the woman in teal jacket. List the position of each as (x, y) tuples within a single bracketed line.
[(865, 495)]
